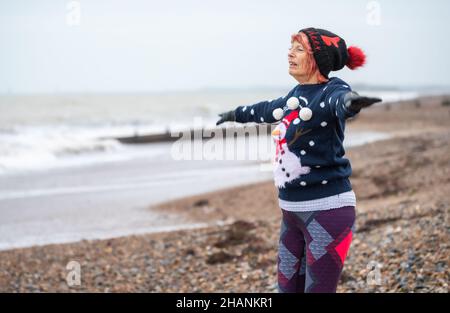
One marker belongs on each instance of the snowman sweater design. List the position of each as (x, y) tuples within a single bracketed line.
[(309, 163)]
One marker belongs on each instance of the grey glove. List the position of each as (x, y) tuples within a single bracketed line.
[(354, 102), (229, 116)]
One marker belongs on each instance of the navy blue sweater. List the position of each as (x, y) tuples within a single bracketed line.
[(320, 147)]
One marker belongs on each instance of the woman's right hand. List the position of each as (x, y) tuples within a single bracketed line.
[(229, 116)]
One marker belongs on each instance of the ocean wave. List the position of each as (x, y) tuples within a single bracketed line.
[(27, 148)]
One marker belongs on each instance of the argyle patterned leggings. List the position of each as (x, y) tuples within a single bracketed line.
[(312, 249)]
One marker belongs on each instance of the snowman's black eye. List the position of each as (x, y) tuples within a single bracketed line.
[(287, 175), (283, 169)]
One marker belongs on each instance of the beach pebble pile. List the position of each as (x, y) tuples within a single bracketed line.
[(401, 243)]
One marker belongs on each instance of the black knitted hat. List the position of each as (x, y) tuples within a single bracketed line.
[(330, 51)]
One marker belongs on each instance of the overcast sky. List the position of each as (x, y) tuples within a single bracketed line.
[(125, 46)]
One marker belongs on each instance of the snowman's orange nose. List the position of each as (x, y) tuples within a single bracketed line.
[(276, 133)]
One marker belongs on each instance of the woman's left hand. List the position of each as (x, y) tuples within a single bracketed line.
[(355, 102)]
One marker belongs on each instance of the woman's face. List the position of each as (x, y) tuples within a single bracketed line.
[(297, 58)]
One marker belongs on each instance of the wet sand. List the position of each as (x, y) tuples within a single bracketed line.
[(403, 202)]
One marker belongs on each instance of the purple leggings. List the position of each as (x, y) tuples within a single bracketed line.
[(312, 249)]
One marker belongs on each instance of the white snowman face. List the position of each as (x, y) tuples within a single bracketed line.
[(279, 132)]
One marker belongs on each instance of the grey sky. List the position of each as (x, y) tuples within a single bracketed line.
[(185, 44)]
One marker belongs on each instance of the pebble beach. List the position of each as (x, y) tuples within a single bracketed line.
[(401, 244)]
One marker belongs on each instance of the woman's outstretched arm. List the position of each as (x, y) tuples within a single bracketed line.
[(261, 112), (346, 103)]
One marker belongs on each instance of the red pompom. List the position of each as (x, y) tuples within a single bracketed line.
[(356, 57)]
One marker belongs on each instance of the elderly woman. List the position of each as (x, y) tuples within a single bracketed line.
[(315, 194)]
